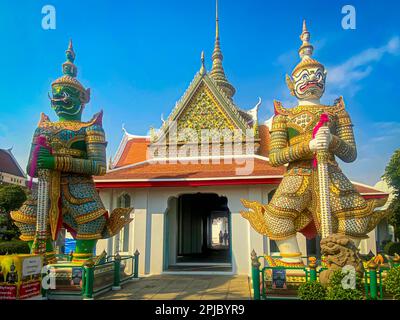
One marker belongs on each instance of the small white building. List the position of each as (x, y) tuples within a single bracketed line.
[(10, 170), (182, 182)]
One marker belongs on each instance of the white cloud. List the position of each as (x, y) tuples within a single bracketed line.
[(359, 66)]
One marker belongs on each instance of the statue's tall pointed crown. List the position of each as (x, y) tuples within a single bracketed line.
[(217, 71), (306, 51), (70, 71)]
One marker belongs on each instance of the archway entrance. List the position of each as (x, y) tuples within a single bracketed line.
[(198, 230)]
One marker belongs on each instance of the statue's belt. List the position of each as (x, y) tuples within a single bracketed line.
[(69, 152)]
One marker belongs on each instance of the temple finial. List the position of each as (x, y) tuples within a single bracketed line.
[(304, 26), (216, 20), (70, 52), (203, 68), (68, 66), (306, 49), (217, 71)]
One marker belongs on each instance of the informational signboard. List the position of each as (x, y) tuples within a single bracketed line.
[(279, 279), (76, 276), (31, 266), (20, 276)]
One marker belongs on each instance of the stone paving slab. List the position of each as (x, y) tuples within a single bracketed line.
[(183, 287)]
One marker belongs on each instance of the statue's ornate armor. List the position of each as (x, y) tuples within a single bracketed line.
[(295, 204), (79, 150)]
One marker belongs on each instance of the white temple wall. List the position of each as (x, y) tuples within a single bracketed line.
[(149, 224), (148, 235)]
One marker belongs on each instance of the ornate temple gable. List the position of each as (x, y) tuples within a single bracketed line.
[(205, 106), (204, 112)]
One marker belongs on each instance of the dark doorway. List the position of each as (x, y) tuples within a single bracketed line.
[(203, 229), (313, 247)]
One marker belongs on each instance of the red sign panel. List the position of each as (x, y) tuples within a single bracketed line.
[(30, 289), (8, 292)]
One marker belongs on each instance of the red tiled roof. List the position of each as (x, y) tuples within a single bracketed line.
[(363, 189), (8, 164), (153, 174), (264, 134), (135, 151), (154, 170)]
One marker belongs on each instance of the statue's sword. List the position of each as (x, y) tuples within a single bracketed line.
[(321, 160), (39, 243)]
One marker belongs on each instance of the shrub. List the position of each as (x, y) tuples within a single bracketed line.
[(7, 235), (311, 291), (13, 247), (392, 282), (335, 290), (391, 248)]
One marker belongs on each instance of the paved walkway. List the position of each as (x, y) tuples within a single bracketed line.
[(183, 287)]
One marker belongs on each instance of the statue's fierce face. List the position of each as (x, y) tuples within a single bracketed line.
[(309, 83), (66, 102)]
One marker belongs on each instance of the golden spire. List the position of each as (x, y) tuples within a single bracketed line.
[(306, 49), (203, 67), (217, 70)]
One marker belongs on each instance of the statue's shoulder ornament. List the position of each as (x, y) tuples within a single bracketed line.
[(95, 132), (338, 107), (55, 127), (279, 120), (97, 119), (279, 109), (338, 111)]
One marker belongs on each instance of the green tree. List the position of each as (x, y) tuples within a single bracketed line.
[(11, 198), (392, 177)]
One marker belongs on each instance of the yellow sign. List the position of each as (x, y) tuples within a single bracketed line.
[(20, 276)]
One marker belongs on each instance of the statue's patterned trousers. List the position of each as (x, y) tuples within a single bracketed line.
[(82, 211), (295, 205)]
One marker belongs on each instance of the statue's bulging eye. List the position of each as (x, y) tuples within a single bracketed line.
[(304, 77)]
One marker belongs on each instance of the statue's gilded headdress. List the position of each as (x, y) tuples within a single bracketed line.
[(305, 52), (70, 72)]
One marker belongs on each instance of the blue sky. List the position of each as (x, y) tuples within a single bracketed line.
[(138, 57)]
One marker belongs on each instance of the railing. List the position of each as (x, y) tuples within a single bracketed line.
[(373, 282), (66, 291), (113, 263), (98, 278), (259, 286), (373, 276)]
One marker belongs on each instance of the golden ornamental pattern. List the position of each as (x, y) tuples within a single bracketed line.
[(203, 112)]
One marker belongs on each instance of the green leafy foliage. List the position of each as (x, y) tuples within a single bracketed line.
[(392, 177), (392, 282), (13, 247), (335, 290), (311, 291), (11, 198), (391, 248)]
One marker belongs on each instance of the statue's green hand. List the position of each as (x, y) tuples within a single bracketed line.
[(45, 159)]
